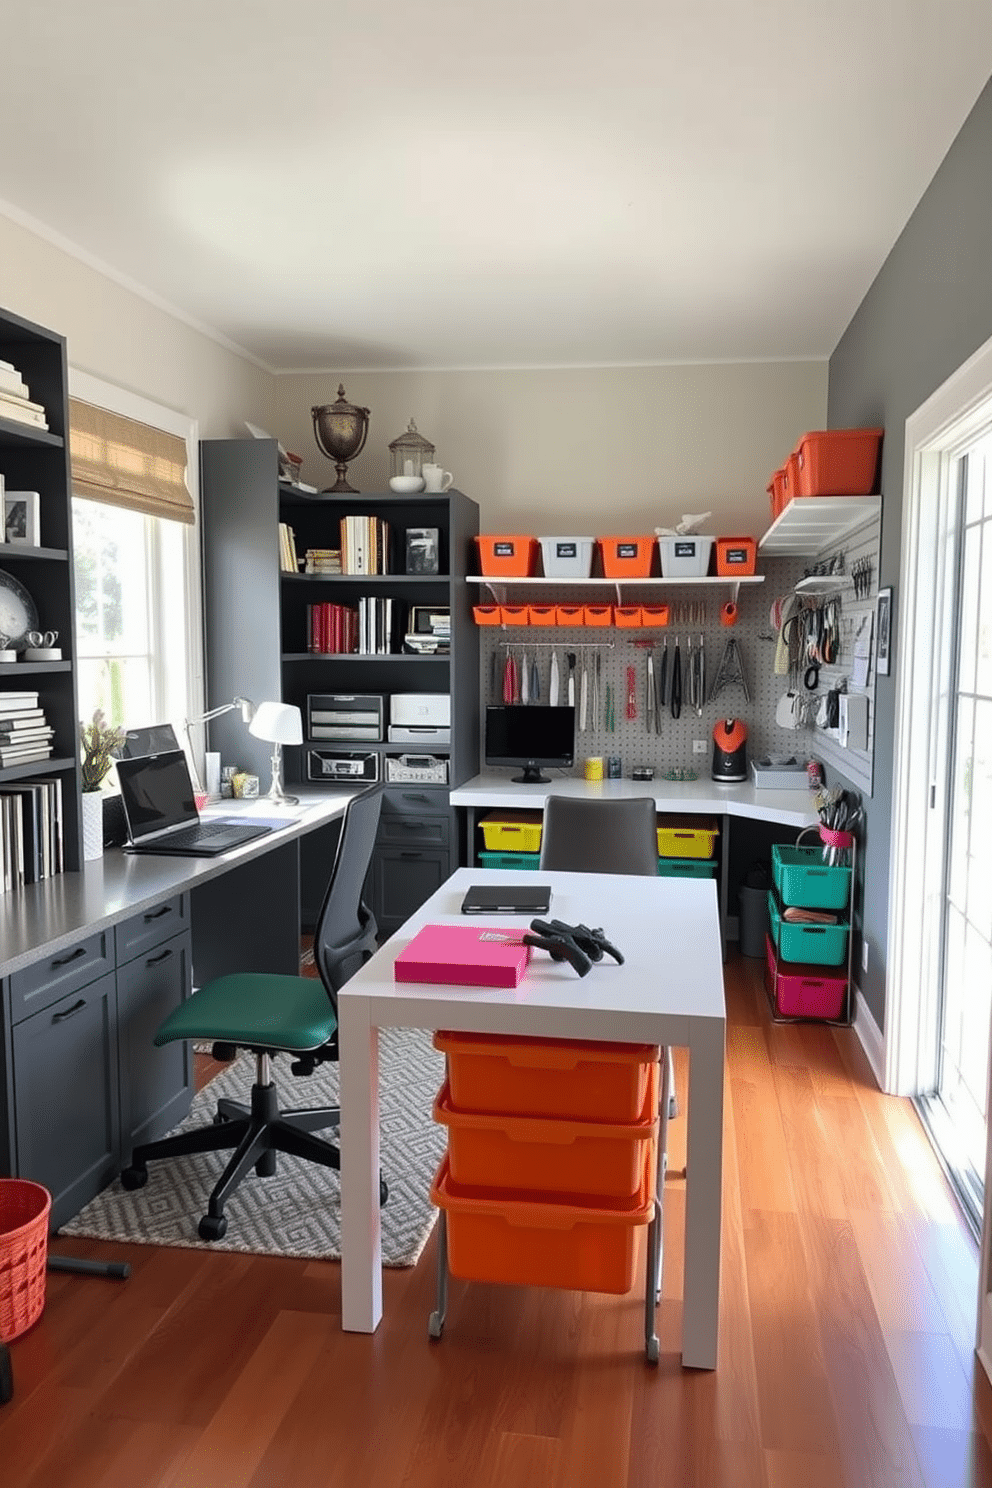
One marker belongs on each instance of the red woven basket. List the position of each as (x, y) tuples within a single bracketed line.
[(24, 1210)]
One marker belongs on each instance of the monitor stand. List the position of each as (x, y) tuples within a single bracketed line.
[(531, 776)]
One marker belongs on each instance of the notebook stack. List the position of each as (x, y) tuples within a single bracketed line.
[(25, 733), (30, 832)]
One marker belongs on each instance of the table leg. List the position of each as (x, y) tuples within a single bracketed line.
[(704, 1162), (361, 1235)]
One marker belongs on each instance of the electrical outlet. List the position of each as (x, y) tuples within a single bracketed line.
[(699, 746), (864, 953)]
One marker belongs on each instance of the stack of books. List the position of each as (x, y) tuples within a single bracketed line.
[(322, 561), (375, 626), (30, 833), (25, 734), (364, 545), (15, 399), (332, 628), (288, 561)]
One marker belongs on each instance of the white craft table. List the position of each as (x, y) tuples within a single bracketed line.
[(668, 991)]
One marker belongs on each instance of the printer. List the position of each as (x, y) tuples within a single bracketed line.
[(420, 718)]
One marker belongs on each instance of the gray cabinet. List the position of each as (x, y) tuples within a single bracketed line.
[(415, 851), (156, 1084)]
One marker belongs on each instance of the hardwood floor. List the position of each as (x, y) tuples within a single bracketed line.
[(849, 1287)]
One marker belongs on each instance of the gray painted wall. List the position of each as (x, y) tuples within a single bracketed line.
[(928, 310)]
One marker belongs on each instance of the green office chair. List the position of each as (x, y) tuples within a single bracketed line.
[(273, 1014)]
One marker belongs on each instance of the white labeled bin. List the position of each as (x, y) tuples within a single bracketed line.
[(685, 557), (567, 557)]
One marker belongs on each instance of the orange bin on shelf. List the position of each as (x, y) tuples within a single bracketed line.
[(627, 617), (598, 614), (542, 1240), (838, 462), (487, 614), (24, 1211), (627, 557), (507, 556), (568, 1079), (570, 614), (735, 556), (515, 614), (654, 614), (543, 614)]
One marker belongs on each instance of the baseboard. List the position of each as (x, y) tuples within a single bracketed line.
[(870, 1037)]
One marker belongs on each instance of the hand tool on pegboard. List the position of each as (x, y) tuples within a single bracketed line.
[(730, 672)]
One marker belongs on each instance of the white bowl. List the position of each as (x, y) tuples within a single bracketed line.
[(406, 485)]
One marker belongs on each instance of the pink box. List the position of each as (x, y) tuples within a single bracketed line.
[(464, 956), (801, 990)]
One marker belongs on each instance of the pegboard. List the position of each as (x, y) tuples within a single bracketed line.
[(695, 613)]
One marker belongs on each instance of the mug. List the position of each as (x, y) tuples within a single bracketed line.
[(437, 479), (594, 767)]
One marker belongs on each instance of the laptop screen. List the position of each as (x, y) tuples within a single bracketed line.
[(156, 792)]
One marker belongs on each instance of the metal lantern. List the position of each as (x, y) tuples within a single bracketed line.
[(340, 430), (410, 453)]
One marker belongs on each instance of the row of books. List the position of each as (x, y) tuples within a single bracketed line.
[(364, 545), (368, 628), (15, 399), (30, 833), (332, 628), (25, 733), (288, 561)]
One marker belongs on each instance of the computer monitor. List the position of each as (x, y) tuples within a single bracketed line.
[(533, 736)]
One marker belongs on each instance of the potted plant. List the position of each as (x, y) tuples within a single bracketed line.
[(99, 739)]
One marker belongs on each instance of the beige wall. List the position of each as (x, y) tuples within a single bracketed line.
[(586, 451), (120, 337)]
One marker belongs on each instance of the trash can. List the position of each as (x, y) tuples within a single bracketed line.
[(752, 910), (24, 1210)]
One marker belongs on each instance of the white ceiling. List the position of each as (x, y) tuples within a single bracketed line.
[(364, 184)]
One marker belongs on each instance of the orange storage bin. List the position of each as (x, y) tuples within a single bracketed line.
[(627, 557), (598, 614), (838, 462), (487, 614), (654, 614), (540, 1240), (515, 614), (569, 1079), (543, 614), (735, 556), (774, 489), (546, 1155), (24, 1211), (571, 614), (627, 617), (509, 556)]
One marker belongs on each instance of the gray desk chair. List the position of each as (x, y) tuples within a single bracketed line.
[(581, 836), (274, 1014)]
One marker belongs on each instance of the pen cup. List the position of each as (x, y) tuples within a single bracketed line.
[(594, 767), (614, 767)]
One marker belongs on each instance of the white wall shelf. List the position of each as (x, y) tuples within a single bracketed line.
[(811, 524), (498, 586)]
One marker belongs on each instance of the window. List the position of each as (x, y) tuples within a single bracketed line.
[(138, 613)]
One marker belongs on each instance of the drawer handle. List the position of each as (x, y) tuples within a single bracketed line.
[(72, 956), (156, 914), (162, 956), (411, 855), (415, 796), (77, 1007)]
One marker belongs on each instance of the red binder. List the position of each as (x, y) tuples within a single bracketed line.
[(464, 956)]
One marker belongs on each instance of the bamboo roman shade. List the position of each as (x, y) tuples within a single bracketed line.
[(125, 463)]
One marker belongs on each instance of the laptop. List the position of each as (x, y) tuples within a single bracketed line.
[(161, 814), (528, 899)]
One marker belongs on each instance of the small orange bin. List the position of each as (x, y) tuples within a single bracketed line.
[(546, 1155), (627, 617), (541, 1240), (598, 614), (654, 614), (735, 555), (487, 614), (24, 1211), (838, 462), (509, 556), (569, 1079), (515, 614), (543, 614), (571, 614), (627, 557)]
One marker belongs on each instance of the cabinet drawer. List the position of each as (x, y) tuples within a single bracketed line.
[(60, 973), (423, 831), (414, 800), (142, 931)]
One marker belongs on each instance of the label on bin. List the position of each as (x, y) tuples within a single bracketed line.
[(566, 550), (503, 549), (626, 550), (736, 555), (685, 549)]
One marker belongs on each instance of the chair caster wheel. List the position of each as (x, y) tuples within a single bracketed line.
[(212, 1227), (132, 1178), (653, 1350), (435, 1325), (383, 1191)]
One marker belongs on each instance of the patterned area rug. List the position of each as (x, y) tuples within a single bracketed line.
[(296, 1212)]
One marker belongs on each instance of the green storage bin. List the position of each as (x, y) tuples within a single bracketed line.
[(819, 945), (687, 867), (529, 862), (804, 880)]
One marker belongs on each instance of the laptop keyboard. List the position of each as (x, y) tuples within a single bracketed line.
[(189, 836)]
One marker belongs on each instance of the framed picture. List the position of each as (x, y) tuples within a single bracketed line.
[(883, 632), (422, 550), (22, 518)]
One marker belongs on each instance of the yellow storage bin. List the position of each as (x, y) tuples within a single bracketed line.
[(686, 836), (512, 831)]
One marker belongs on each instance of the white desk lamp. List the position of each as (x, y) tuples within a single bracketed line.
[(279, 723), (247, 713)]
